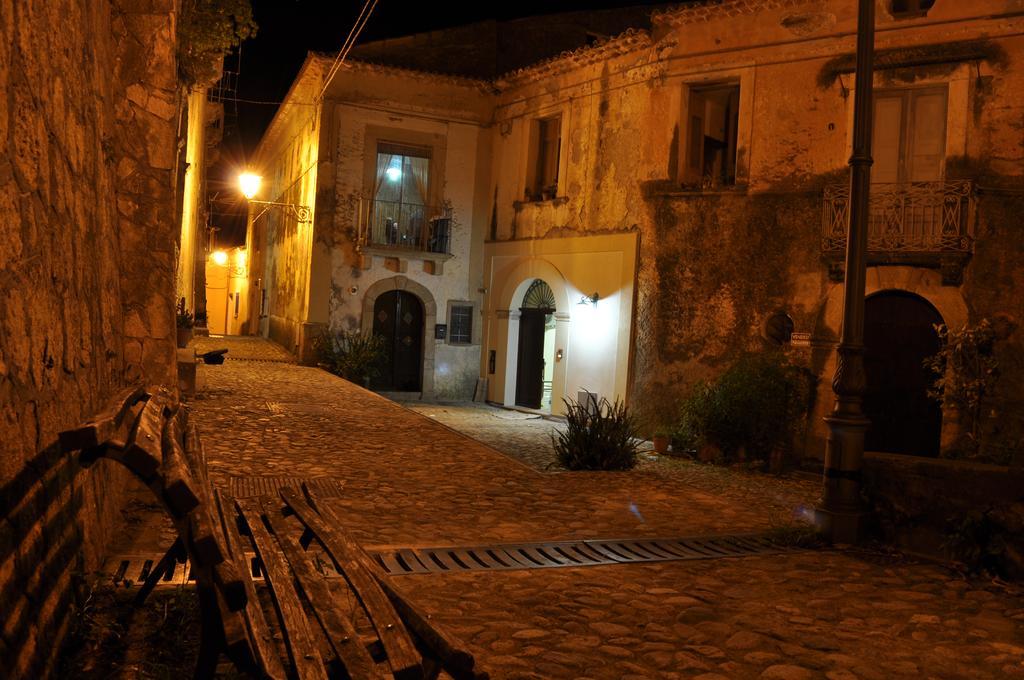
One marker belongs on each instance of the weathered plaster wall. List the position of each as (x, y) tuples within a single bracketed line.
[(191, 251), (87, 243), (714, 264), (370, 104), (288, 159)]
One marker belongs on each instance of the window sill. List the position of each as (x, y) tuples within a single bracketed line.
[(406, 253), (732, 190), (556, 201)]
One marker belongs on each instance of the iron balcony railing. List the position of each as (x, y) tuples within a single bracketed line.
[(404, 226), (909, 218)]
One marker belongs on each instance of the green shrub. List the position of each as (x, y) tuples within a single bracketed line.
[(597, 438), (757, 405), (353, 355), (965, 372)]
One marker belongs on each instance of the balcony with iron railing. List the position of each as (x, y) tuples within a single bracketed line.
[(929, 224), (408, 227)]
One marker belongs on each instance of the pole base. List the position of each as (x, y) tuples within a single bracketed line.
[(841, 526)]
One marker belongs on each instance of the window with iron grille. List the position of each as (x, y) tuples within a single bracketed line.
[(460, 325)]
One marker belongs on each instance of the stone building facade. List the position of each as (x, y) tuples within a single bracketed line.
[(88, 229), (654, 205), (321, 151)]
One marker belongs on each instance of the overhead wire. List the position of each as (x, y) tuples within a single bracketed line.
[(353, 35)]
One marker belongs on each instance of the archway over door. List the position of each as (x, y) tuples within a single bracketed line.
[(398, 318), (899, 334), (536, 360)]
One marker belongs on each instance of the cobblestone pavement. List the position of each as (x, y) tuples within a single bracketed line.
[(410, 480), (523, 436), (242, 347)]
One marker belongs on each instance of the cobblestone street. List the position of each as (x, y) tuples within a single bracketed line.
[(411, 480)]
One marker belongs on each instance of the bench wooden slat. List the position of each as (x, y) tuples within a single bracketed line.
[(259, 632), (341, 634), (449, 649), (179, 489), (355, 564), (104, 425), (142, 455), (298, 635)]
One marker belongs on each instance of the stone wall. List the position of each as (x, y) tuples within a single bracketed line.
[(981, 507), (88, 114)]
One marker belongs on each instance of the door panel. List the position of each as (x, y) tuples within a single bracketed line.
[(398, 317), (886, 139), (899, 334), (530, 371), (928, 137)]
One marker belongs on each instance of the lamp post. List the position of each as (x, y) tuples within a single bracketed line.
[(841, 512)]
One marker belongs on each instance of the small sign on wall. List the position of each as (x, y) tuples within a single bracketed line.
[(800, 339), (440, 331)]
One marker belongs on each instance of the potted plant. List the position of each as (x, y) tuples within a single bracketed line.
[(661, 438), (353, 355), (184, 322)]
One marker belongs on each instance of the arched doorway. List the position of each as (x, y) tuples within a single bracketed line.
[(536, 356), (398, 317), (899, 334)]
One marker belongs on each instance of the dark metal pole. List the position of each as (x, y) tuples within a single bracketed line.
[(841, 512)]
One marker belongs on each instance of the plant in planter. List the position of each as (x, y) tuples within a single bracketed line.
[(184, 322), (661, 439), (353, 355), (601, 437), (966, 370), (751, 412)]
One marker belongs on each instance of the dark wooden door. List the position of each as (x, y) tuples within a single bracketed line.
[(398, 316), (899, 335), (530, 372)]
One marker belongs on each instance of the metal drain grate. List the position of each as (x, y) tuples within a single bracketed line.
[(572, 553), (133, 569), (247, 487)]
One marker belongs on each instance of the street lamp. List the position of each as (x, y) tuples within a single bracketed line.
[(249, 183), (841, 512)]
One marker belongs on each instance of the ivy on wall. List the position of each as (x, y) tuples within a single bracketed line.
[(208, 29)]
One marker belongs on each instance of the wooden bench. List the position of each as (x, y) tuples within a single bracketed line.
[(325, 608)]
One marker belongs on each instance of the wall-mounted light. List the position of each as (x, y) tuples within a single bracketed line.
[(590, 299), (249, 183), (219, 257), (558, 355)]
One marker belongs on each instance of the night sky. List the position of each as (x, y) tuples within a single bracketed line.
[(288, 29)]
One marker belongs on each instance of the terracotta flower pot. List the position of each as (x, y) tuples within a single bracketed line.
[(660, 444), (708, 453), (184, 335)]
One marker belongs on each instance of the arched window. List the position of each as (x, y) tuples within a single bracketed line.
[(902, 9), (539, 296)]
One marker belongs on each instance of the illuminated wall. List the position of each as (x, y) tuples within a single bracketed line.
[(287, 158), (190, 247)]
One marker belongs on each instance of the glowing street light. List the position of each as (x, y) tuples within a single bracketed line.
[(249, 184), (219, 257)]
